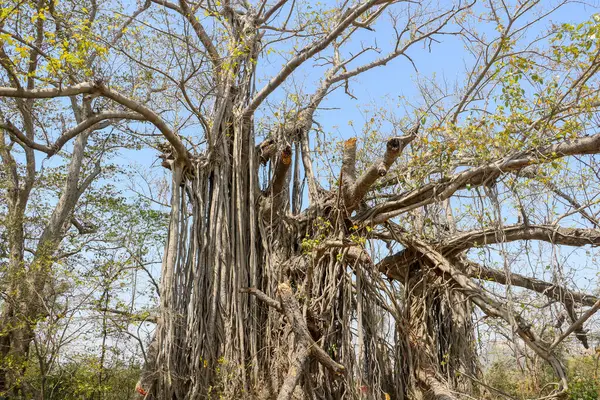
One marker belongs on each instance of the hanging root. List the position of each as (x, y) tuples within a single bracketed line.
[(289, 306)]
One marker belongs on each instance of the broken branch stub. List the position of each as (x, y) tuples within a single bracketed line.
[(378, 169), (281, 169)]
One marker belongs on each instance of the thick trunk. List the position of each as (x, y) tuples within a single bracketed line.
[(214, 339), (230, 249)]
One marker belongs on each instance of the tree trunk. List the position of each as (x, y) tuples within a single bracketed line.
[(213, 339)]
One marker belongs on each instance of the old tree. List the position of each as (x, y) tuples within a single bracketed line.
[(297, 266)]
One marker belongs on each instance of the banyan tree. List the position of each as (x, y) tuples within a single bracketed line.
[(302, 265)]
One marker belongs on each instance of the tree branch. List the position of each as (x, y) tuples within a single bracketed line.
[(289, 306), (477, 176), (152, 117), (294, 315), (531, 174), (89, 123), (380, 168), (263, 297), (136, 317), (577, 325), (307, 53), (271, 11), (98, 87), (548, 233), (83, 229), (213, 54), (551, 290), (397, 266), (48, 93)]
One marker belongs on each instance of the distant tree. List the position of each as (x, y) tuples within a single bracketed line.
[(53, 205), (263, 295)]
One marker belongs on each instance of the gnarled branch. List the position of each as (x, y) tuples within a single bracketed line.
[(289, 306)]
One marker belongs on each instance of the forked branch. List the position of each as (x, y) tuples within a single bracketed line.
[(354, 189), (93, 122)]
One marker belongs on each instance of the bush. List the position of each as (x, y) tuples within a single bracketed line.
[(582, 373), (80, 379)]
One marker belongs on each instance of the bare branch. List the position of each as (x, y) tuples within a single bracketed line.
[(269, 13), (98, 87), (83, 229), (551, 290), (289, 306), (577, 325), (152, 117), (135, 317), (48, 93), (306, 53), (489, 306), (190, 16), (263, 297), (548, 233), (292, 311)]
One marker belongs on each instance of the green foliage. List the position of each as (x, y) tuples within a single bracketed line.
[(584, 381), (535, 380), (322, 228), (83, 378)]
